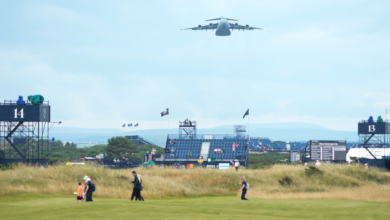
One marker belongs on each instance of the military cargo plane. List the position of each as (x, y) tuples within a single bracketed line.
[(223, 26)]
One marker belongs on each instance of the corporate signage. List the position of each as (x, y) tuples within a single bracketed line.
[(211, 160), (200, 160), (223, 166), (210, 166)]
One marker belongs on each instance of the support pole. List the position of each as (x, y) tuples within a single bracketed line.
[(364, 145)]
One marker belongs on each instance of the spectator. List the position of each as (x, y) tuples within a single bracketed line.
[(380, 119), (234, 146), (80, 193), (370, 119), (243, 188), (215, 150), (189, 153), (114, 160), (237, 164), (153, 154), (173, 151)]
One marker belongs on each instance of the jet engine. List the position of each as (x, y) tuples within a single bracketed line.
[(200, 26), (236, 24), (247, 26), (211, 24)]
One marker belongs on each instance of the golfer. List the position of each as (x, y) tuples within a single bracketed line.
[(243, 188), (237, 164), (85, 187)]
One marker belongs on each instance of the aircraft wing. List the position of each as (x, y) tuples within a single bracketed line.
[(235, 26), (210, 26)]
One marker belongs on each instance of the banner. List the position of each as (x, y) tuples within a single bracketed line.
[(211, 160), (223, 166)]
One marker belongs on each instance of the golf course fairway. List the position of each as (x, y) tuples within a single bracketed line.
[(47, 206)]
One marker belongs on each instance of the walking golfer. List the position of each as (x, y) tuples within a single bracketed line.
[(237, 164), (243, 188)]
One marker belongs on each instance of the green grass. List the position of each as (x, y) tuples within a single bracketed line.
[(47, 206), (267, 157)]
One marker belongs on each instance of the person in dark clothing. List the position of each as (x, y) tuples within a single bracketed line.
[(243, 188), (135, 181), (137, 188), (370, 119), (89, 191)]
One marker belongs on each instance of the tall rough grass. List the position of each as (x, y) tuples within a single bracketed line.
[(330, 182)]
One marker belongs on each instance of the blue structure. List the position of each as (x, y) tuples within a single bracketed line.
[(191, 149), (139, 140)]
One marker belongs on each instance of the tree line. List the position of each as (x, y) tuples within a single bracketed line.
[(117, 147)]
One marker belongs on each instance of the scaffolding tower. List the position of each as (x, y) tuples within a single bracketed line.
[(24, 132), (375, 134), (187, 129)]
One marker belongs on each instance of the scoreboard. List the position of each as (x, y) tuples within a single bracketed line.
[(328, 150), (27, 113)]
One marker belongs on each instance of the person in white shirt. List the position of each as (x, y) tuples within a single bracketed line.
[(237, 164)]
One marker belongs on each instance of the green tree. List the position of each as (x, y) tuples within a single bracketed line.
[(93, 153), (121, 147)]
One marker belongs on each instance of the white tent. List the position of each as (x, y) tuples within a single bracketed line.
[(363, 153)]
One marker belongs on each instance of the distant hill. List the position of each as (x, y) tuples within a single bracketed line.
[(274, 131)]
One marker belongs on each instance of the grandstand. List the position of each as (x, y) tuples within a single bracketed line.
[(139, 140), (204, 146)]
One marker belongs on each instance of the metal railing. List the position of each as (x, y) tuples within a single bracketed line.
[(13, 102), (375, 121), (209, 137)]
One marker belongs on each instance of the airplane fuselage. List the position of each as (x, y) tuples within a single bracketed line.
[(223, 28)]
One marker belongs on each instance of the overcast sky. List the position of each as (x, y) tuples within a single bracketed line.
[(105, 63)]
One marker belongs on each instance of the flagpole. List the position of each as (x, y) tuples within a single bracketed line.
[(247, 149), (248, 123)]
